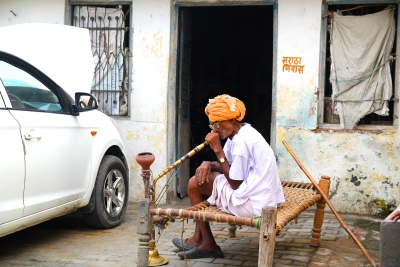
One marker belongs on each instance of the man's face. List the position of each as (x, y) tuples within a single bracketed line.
[(223, 128)]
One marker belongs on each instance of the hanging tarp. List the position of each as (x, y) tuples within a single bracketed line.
[(360, 71)]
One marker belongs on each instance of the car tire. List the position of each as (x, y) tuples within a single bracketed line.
[(111, 194)]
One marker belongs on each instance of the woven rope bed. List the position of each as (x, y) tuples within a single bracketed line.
[(298, 197)]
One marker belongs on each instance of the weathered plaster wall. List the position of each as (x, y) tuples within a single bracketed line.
[(146, 130), (363, 165), (299, 28), (28, 11)]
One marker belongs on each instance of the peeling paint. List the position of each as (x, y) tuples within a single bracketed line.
[(314, 101), (355, 180), (362, 165), (334, 189), (381, 207), (131, 136), (156, 50)]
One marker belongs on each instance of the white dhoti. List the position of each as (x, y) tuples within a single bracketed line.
[(222, 198)]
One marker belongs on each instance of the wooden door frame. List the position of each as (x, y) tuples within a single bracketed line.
[(172, 69)]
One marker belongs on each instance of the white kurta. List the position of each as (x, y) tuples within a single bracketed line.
[(252, 161)]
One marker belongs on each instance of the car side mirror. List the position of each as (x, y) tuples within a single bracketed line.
[(75, 110), (85, 102)]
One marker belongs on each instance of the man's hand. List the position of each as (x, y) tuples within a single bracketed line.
[(212, 138), (395, 216), (203, 172)]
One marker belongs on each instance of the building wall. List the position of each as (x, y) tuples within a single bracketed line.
[(363, 164), (299, 30), (146, 130), (28, 11)]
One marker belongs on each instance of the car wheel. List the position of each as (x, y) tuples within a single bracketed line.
[(111, 194)]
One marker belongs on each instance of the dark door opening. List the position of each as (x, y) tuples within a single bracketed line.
[(231, 53)]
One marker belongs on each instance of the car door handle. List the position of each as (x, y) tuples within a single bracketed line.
[(29, 136)]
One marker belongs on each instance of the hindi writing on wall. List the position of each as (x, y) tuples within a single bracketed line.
[(292, 64)]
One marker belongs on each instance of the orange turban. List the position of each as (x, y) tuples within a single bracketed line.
[(225, 107)]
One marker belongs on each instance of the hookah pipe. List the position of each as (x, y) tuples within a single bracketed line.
[(146, 171), (147, 254)]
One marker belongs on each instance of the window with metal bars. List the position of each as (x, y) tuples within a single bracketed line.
[(109, 34), (328, 115)]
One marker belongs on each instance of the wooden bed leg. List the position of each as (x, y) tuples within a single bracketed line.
[(144, 228), (267, 237), (324, 184), (232, 230)]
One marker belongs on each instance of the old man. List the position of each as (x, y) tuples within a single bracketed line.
[(242, 181)]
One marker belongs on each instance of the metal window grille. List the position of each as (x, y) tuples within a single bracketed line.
[(110, 79)]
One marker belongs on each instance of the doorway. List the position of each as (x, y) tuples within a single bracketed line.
[(231, 52)]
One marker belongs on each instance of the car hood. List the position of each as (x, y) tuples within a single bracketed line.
[(61, 52)]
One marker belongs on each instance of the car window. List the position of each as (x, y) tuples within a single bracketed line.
[(26, 92)]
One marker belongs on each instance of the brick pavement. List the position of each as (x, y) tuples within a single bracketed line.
[(66, 241)]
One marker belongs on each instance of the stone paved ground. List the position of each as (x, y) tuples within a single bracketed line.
[(66, 241)]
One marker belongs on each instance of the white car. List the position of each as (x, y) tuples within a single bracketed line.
[(58, 154)]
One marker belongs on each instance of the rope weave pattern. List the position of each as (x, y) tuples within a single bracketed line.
[(298, 197)]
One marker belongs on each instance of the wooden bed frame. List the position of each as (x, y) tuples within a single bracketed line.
[(298, 197)]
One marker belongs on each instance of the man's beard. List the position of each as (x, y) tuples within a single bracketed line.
[(222, 136)]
